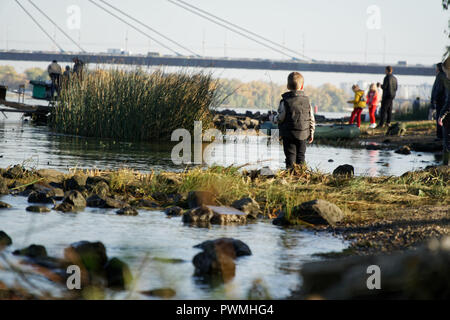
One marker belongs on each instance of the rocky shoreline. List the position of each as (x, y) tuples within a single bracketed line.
[(416, 207)]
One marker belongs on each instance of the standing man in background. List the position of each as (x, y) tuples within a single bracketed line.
[(78, 68), (55, 72), (444, 115), (389, 87), (438, 97)]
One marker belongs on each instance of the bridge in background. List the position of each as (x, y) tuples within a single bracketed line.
[(210, 62)]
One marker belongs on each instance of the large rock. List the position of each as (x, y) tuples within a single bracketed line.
[(344, 170), (198, 198), (51, 175), (416, 274), (32, 251), (74, 201), (118, 274), (88, 255), (41, 197), (100, 188), (205, 215), (318, 212), (5, 240), (248, 206), (217, 258), (77, 182)]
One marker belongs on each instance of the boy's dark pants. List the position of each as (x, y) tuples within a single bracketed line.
[(294, 150)]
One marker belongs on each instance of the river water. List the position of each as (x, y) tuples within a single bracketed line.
[(145, 241)]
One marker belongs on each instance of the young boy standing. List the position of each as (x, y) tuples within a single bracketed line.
[(295, 120)]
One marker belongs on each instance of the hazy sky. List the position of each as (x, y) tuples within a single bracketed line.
[(382, 31)]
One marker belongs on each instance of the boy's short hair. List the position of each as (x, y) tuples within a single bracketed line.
[(295, 81), (389, 69)]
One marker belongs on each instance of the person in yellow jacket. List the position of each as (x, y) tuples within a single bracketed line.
[(359, 103)]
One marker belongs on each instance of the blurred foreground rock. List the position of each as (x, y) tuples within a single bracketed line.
[(416, 274)]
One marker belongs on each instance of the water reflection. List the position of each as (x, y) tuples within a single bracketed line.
[(22, 141)]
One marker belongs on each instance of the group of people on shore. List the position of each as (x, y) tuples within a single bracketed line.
[(58, 77), (378, 95), (295, 117)]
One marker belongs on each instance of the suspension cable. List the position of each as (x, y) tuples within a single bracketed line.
[(150, 28), (231, 29), (135, 28), (43, 30), (54, 23), (243, 29)]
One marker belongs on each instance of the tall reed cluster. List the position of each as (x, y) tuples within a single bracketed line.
[(134, 105)]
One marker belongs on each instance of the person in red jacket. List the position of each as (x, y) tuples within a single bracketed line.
[(372, 101)]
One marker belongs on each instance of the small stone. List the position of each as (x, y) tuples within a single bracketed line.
[(32, 251), (5, 240), (403, 150), (318, 212), (38, 209), (344, 170), (127, 211), (165, 293), (4, 205), (248, 206), (174, 211), (205, 215)]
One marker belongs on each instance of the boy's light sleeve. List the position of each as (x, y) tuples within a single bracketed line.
[(312, 122), (279, 118)]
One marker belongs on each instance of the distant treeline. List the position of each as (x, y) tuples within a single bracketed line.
[(262, 95), (11, 78)]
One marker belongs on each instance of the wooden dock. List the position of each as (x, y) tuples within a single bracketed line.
[(24, 108)]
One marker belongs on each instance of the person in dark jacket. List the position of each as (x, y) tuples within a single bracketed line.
[(78, 68), (444, 115), (295, 120), (438, 97), (389, 91)]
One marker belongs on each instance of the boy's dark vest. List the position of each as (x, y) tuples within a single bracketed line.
[(298, 115)]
